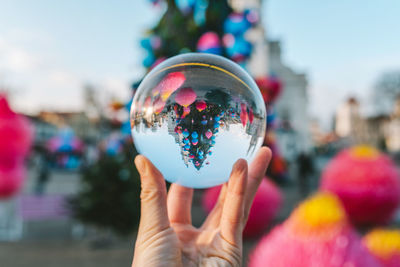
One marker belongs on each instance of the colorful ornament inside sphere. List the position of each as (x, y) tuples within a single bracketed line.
[(16, 134), (182, 108), (385, 245), (11, 180), (316, 234), (265, 206), (366, 181)]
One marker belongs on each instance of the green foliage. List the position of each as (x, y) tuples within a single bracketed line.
[(110, 193)]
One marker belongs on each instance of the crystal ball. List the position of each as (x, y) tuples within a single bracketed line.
[(194, 115)]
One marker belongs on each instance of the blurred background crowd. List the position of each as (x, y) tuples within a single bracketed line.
[(69, 191)]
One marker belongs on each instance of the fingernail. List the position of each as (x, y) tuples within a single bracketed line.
[(240, 166)]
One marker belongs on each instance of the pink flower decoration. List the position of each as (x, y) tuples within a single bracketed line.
[(185, 96), (316, 234)]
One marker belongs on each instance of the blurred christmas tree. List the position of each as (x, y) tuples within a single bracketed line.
[(109, 196)]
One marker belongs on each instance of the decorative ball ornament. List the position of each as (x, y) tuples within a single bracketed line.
[(366, 181), (266, 204), (209, 42), (385, 245), (194, 104), (316, 234)]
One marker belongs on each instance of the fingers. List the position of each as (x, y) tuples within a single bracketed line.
[(214, 217), (257, 171), (154, 216), (179, 203), (232, 218)]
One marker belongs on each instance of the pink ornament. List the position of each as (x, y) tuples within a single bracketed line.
[(185, 96), (266, 204), (169, 85), (208, 134), (316, 234), (366, 181), (11, 180), (201, 105), (16, 134), (208, 40)]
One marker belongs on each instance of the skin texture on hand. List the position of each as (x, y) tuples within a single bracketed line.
[(166, 236)]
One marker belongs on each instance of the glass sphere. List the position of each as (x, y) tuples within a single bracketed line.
[(194, 115)]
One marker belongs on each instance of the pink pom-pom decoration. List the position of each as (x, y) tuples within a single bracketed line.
[(185, 96), (316, 234), (385, 245), (16, 134), (366, 181), (266, 204), (11, 180)]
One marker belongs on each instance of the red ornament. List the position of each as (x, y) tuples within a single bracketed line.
[(11, 180), (366, 181), (270, 88), (316, 234), (266, 204)]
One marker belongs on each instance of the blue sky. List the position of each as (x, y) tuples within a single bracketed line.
[(48, 49)]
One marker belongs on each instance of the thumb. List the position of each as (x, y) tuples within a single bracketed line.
[(154, 215)]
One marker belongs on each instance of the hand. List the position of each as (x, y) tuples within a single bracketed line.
[(166, 236)]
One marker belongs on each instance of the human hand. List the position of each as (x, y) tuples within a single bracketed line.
[(166, 236)]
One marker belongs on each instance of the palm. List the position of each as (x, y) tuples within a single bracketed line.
[(166, 235)]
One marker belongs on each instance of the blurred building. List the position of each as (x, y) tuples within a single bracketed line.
[(348, 121), (382, 130), (292, 105), (82, 126)]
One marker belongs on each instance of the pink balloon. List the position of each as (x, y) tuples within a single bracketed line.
[(266, 204), (11, 180), (185, 96), (16, 134)]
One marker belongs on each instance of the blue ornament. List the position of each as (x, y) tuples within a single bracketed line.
[(195, 135), (236, 24)]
